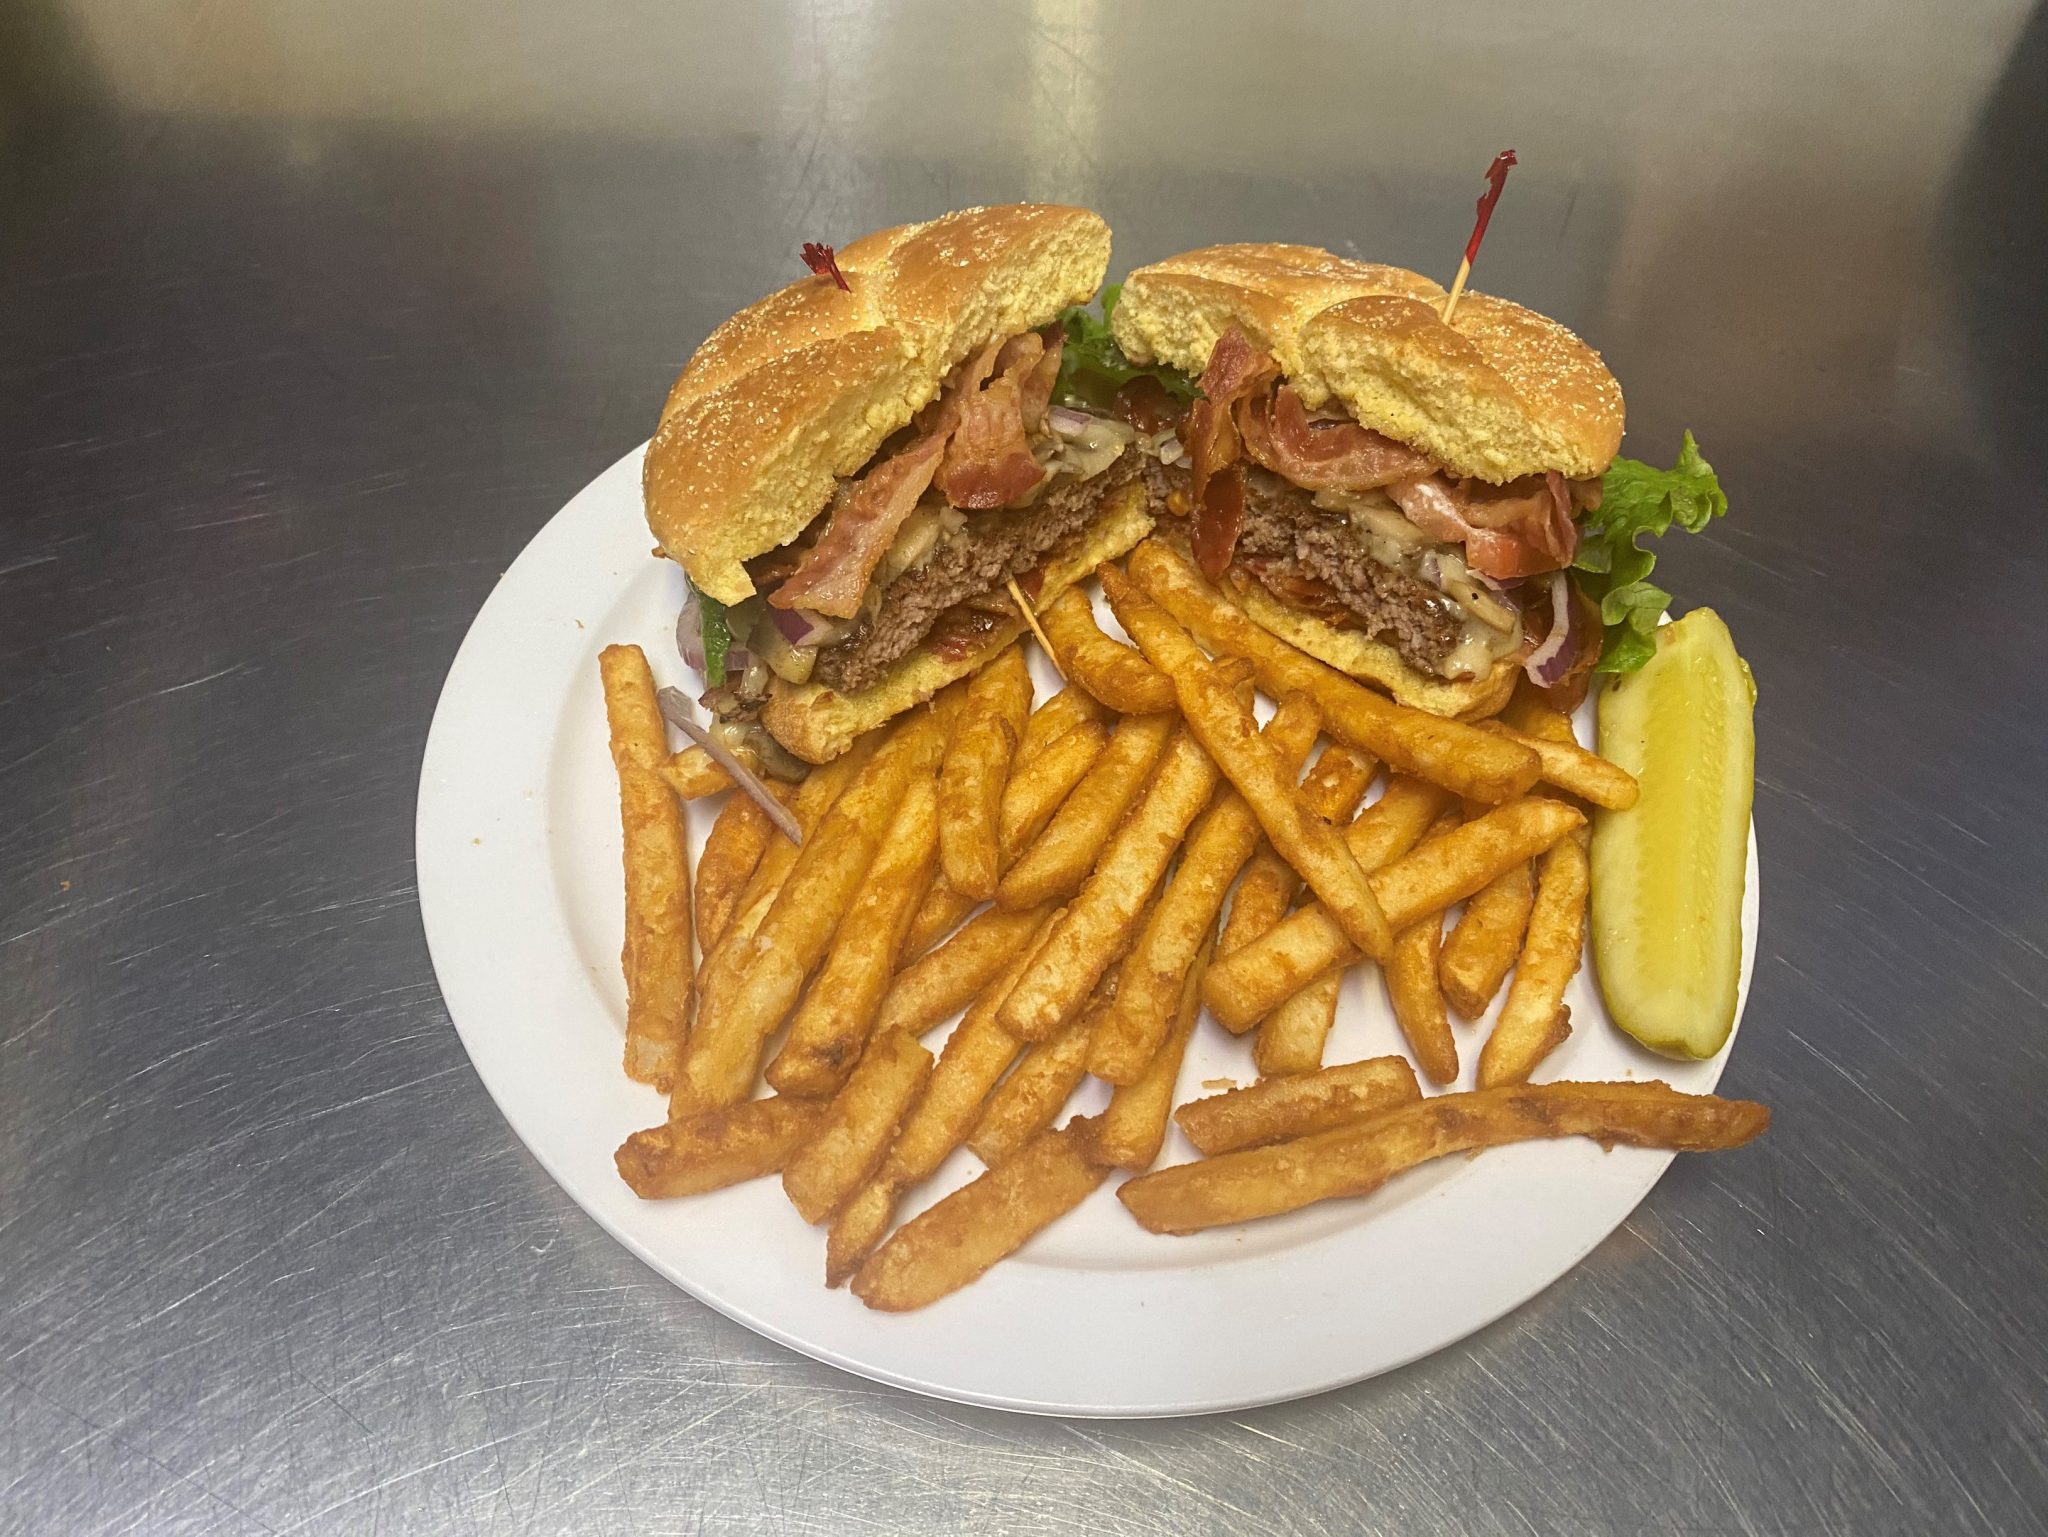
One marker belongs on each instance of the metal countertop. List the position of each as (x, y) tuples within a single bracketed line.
[(311, 315)]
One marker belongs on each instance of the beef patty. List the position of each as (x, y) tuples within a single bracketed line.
[(991, 549), (1315, 561)]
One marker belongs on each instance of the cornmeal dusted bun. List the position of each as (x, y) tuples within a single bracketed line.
[(804, 386), (1373, 661), (1498, 393), (818, 725)]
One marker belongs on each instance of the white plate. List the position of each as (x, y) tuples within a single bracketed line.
[(519, 876)]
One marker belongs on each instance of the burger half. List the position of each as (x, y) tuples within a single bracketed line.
[(854, 471), (1396, 495)]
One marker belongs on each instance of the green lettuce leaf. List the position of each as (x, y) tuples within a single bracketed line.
[(1093, 367), (1639, 501)]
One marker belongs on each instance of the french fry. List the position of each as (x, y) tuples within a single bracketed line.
[(1461, 758), (974, 1058), (1224, 726), (940, 983), (1054, 867), (1040, 784), (1574, 770), (1099, 926), (1242, 987), (971, 794), (1217, 847), (1069, 708), (717, 1148), (857, 1126), (1418, 1002), (1333, 789), (1030, 1099), (831, 1025), (1532, 1022), (1528, 712), (725, 1047), (1134, 1125), (1291, 1038), (959, 1238), (1108, 669), (1386, 830), (1283, 1108), (1357, 1159), (1483, 943), (1003, 685), (738, 838), (656, 957), (692, 773)]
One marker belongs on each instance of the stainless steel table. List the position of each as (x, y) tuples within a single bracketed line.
[(311, 314)]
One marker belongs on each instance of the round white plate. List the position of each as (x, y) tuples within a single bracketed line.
[(520, 891)]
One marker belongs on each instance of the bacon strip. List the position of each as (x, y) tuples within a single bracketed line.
[(1534, 534), (988, 462), (833, 574), (1323, 456), (1236, 371)]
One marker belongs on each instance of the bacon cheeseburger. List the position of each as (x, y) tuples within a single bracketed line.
[(854, 470), (1399, 496)]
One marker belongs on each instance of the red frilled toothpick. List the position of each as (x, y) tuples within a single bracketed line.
[(1496, 179), (820, 260)]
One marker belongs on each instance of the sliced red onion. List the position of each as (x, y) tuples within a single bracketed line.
[(1497, 584), (1431, 569), (1068, 422), (675, 708), (1550, 661), (803, 626), (690, 634), (1170, 449), (736, 660)]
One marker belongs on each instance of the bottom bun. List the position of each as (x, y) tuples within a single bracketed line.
[(1375, 662), (818, 725)]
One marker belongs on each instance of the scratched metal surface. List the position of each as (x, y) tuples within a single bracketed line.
[(311, 315)]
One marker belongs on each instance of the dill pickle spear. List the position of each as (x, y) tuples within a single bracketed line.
[(1668, 872)]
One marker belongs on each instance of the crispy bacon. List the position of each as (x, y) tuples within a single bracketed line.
[(1326, 455), (1237, 371), (1507, 531), (1035, 365), (833, 574), (988, 462)]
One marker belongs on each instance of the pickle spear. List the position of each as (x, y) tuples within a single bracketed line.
[(1668, 872)]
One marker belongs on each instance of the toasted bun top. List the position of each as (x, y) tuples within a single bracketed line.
[(804, 386), (1498, 393)]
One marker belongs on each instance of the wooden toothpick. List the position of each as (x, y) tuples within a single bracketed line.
[(1031, 618), (1496, 179)]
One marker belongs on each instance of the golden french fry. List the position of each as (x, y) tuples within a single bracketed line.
[(1337, 782), (1242, 987), (1462, 758), (1054, 867), (717, 1148), (656, 957), (1333, 789), (1529, 1027), (950, 1244), (974, 1058), (1099, 926), (1217, 847), (1040, 784), (1386, 830), (831, 1025), (1069, 708), (859, 1122), (1030, 1099), (1357, 1159), (1282, 1108), (1108, 669), (1224, 726), (1292, 1037), (1134, 1125), (1004, 686), (1528, 712), (692, 773), (1483, 943), (1418, 1002), (734, 847), (940, 983), (725, 1047), (1572, 769), (970, 795)]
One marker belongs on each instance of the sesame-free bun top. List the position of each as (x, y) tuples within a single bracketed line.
[(1498, 393), (802, 387)]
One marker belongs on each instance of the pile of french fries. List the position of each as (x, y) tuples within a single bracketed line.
[(1107, 830)]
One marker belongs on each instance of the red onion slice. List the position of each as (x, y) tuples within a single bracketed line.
[(675, 708), (1068, 422), (1550, 661), (690, 634), (804, 626)]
